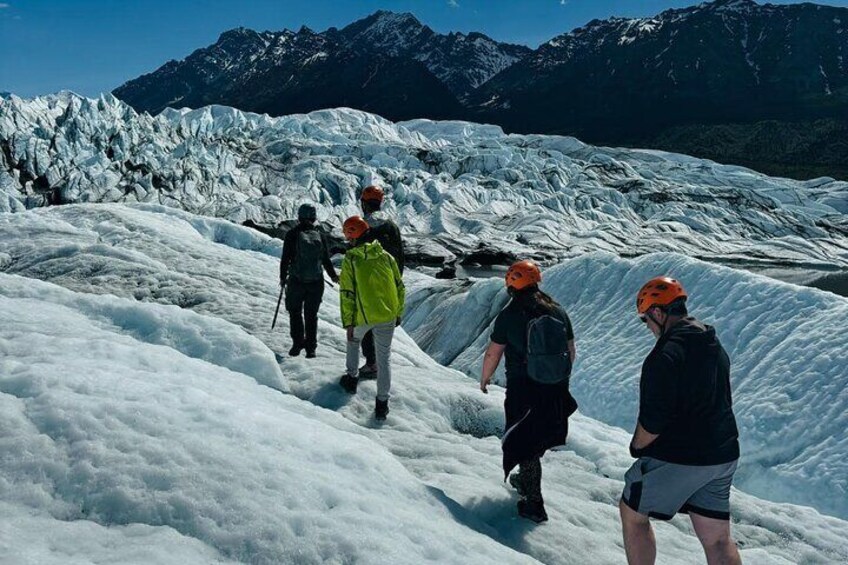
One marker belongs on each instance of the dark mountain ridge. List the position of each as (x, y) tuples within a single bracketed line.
[(729, 79)]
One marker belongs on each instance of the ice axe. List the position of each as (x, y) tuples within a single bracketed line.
[(277, 311)]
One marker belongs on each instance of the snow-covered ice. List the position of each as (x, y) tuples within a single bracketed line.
[(135, 431), (457, 184)]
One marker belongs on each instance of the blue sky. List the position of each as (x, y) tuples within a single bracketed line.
[(91, 46)]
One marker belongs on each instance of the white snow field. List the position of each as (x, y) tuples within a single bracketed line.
[(464, 185), (787, 345), (148, 417)]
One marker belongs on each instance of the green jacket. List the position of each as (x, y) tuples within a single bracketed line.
[(370, 286)]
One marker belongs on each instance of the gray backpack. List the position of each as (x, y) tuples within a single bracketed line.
[(307, 265), (548, 361)]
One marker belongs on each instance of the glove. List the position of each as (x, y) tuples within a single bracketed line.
[(335, 278), (397, 322)]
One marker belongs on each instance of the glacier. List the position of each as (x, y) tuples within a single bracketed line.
[(149, 417), (454, 187)]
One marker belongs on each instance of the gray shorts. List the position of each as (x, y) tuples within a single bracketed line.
[(660, 489)]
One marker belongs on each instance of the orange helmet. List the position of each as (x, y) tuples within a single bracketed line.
[(523, 274), (372, 192), (354, 227), (659, 291)]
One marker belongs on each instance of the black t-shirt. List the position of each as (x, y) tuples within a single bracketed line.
[(511, 330), (684, 396)]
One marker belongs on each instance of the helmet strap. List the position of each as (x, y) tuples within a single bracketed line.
[(661, 326)]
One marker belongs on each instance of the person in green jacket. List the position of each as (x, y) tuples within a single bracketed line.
[(372, 297)]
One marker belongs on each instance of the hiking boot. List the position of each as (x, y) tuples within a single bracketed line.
[(381, 410), (518, 484), (349, 383), (295, 350), (368, 372), (310, 354), (532, 510)]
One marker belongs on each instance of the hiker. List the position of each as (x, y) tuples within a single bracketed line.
[(385, 231), (686, 440), (538, 339), (305, 256), (372, 298)]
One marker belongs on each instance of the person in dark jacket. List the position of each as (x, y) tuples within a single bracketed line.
[(305, 257), (686, 439), (536, 414), (385, 231)]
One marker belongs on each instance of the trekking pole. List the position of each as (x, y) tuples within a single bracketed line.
[(277, 311), (329, 282)]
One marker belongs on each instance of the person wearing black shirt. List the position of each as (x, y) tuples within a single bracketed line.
[(686, 439), (385, 231), (305, 254), (536, 414)]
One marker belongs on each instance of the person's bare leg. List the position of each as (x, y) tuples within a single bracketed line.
[(639, 542), (714, 536)]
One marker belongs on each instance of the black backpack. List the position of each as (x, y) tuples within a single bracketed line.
[(389, 237), (307, 263), (548, 360)]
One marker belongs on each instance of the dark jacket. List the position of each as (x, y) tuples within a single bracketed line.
[(536, 414), (385, 231), (290, 252), (684, 397)]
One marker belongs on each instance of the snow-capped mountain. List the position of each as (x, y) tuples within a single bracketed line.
[(463, 62), (458, 189), (721, 62), (759, 85), (386, 63), (288, 72), (147, 416)]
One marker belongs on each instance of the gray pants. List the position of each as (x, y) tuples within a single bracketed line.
[(660, 489), (383, 334)]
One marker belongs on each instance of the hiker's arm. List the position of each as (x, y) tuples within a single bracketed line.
[(325, 259), (657, 401), (569, 336), (347, 294), (401, 255), (658, 394), (401, 289), (642, 438), (490, 363), (289, 243)]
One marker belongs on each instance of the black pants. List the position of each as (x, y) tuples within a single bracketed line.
[(302, 302), (530, 474), (368, 350), (537, 420)]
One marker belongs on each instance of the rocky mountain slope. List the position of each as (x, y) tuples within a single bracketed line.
[(728, 79)]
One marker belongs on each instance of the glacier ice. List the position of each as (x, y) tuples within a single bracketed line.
[(453, 186), (123, 426)]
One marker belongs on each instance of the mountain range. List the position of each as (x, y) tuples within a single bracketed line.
[(765, 86)]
